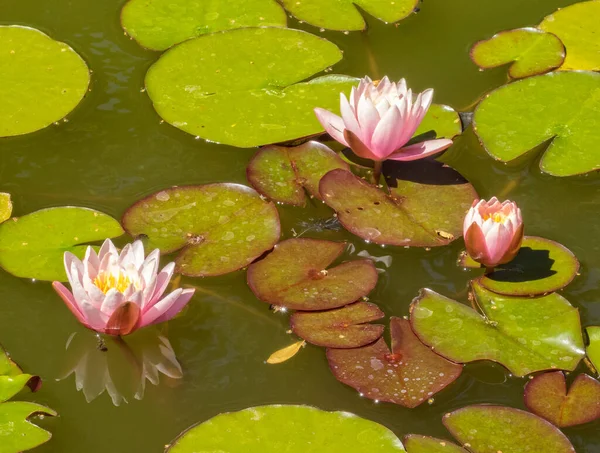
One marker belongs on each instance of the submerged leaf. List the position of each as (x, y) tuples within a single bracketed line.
[(217, 228), (247, 87), (408, 375), (33, 246), (295, 275), (289, 429), (524, 334), (546, 395), (494, 429), (283, 354), (531, 51)]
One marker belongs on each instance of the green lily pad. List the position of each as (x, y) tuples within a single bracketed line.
[(343, 15), (290, 429), (494, 429), (345, 327), (159, 24), (241, 87), (425, 205), (531, 51), (282, 173), (33, 246), (5, 206), (441, 119), (546, 395), (295, 275), (17, 433), (577, 27), (408, 375), (593, 349), (517, 117), (12, 378), (524, 334), (425, 444), (217, 228), (42, 80), (541, 266)]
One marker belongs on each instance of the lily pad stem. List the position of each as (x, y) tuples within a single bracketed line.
[(488, 270), (377, 172)]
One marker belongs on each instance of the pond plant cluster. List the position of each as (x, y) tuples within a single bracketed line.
[(366, 149)]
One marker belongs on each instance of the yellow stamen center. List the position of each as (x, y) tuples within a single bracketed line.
[(107, 281), (497, 217)]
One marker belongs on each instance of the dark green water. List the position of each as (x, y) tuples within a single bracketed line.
[(114, 150)]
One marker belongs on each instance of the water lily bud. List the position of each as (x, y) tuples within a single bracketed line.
[(493, 231), (379, 119), (118, 293)]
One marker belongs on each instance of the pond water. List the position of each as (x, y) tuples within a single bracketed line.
[(115, 150)]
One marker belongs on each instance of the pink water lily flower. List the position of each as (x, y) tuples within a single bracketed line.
[(493, 231), (379, 119), (118, 293)]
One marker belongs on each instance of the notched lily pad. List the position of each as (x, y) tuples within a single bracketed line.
[(286, 428), (33, 246), (494, 429), (345, 327), (295, 275), (5, 206), (425, 444), (42, 80), (546, 395), (518, 117), (408, 375), (541, 266), (577, 26), (425, 205), (217, 228), (159, 24), (343, 14), (442, 120), (12, 378), (247, 87), (524, 334), (593, 349), (531, 51), (282, 173)]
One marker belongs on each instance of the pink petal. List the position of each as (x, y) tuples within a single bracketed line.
[(160, 308), (112, 300), (349, 116), (368, 118), (70, 302), (476, 245), (177, 306), (91, 263), (386, 136), (149, 268), (358, 147), (499, 241), (421, 150), (162, 281), (333, 124), (138, 253), (107, 248)]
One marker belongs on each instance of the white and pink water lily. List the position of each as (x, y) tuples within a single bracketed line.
[(380, 119), (118, 293), (493, 231)]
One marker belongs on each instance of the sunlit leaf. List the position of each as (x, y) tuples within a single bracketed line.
[(5, 206), (17, 433), (33, 246), (344, 15), (283, 354), (158, 24), (577, 26), (408, 375), (424, 444), (12, 378), (441, 119), (531, 51), (424, 199), (494, 429), (345, 327), (296, 275), (524, 334), (546, 395), (593, 349), (247, 87), (289, 429), (42, 80), (217, 228), (517, 117)]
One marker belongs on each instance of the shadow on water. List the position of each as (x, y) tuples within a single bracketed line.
[(423, 171), (528, 265)]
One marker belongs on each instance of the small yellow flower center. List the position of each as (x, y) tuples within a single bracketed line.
[(106, 281), (497, 217)]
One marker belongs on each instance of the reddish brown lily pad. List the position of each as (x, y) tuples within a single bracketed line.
[(425, 444), (408, 375), (494, 429), (282, 173), (424, 207), (295, 275), (345, 327), (546, 395), (218, 228)]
